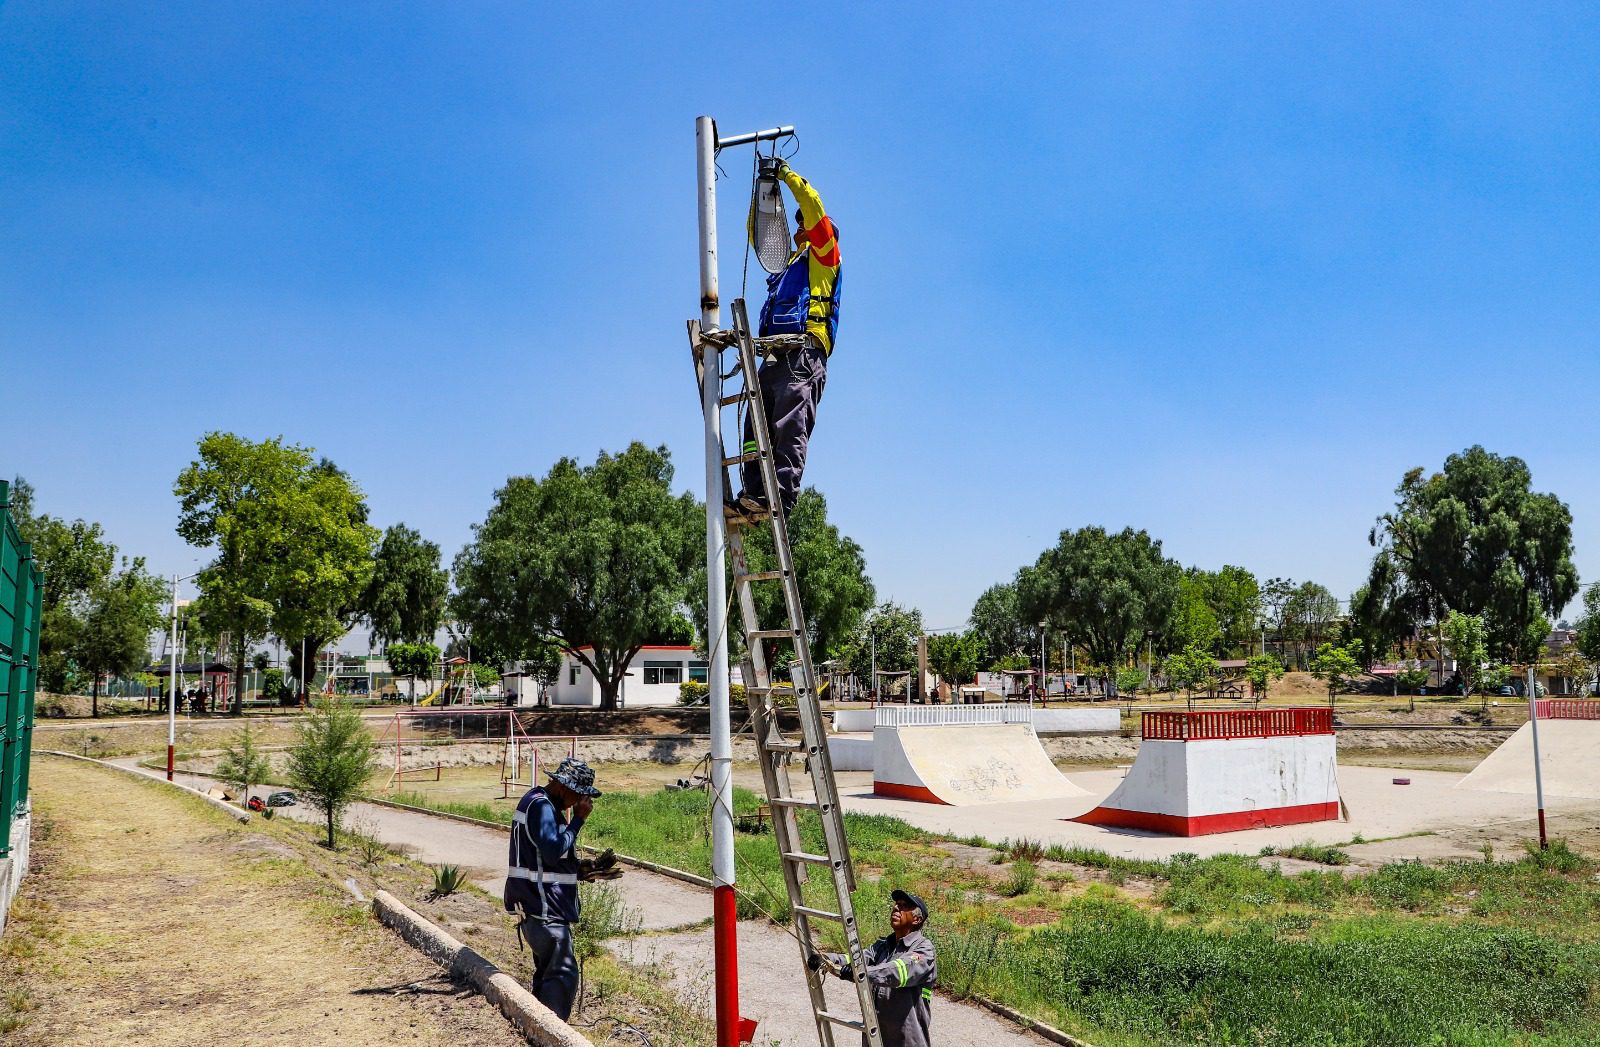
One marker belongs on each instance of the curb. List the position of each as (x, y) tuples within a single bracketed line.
[(532, 1018), (638, 863), (1049, 1032), (226, 808)]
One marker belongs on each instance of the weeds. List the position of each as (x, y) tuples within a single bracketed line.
[(1021, 879), (1309, 852)]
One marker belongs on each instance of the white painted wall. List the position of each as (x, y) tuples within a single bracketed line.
[(576, 686), (850, 753), (1195, 779), (1045, 721)]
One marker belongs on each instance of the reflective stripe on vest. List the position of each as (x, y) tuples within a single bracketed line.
[(540, 876)]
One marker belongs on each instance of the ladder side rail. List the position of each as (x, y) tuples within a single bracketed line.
[(820, 765), (786, 836)]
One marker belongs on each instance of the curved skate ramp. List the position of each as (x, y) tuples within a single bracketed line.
[(965, 764), (1569, 752)]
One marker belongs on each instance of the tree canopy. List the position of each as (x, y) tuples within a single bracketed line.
[(1106, 591), (592, 556), (1474, 538), (998, 625), (887, 637), (120, 615), (292, 547), (404, 599), (953, 657)]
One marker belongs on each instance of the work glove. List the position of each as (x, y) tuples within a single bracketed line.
[(814, 961), (773, 167), (603, 867)]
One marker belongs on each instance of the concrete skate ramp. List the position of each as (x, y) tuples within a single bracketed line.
[(1570, 758), (1223, 771), (966, 764)]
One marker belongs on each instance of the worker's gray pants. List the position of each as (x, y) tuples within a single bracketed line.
[(555, 969), (791, 388)]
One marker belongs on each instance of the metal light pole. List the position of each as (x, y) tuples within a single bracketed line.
[(1044, 662), (172, 683), (1538, 772), (724, 905)]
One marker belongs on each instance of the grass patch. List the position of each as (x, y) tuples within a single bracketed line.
[(1309, 852)]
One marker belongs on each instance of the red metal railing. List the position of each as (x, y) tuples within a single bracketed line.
[(1568, 709), (1236, 723)]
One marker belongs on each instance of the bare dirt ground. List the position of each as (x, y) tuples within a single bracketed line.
[(151, 918)]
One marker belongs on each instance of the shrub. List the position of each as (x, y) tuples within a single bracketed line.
[(447, 879)]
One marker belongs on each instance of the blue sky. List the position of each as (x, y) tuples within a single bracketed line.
[(1223, 272)]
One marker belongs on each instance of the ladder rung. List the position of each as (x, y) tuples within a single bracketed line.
[(839, 1019), (759, 576), (783, 747), (740, 459), (818, 914), (729, 401), (771, 634), (810, 859), (790, 801)]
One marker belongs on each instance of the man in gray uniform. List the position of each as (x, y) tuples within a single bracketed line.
[(902, 970)]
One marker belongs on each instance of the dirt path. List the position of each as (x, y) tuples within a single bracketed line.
[(151, 918)]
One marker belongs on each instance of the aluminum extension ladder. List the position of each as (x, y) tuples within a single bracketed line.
[(774, 749)]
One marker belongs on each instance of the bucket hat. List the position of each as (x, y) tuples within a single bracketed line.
[(575, 775)]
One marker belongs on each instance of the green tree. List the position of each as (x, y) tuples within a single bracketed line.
[(1309, 617), (1474, 538), (329, 764), (1234, 596), (1409, 677), (404, 599), (1338, 666), (1190, 668), (1107, 591), (589, 556), (327, 555), (77, 562), (243, 764), (412, 660), (114, 637), (292, 548), (1587, 632), (484, 675), (886, 638), (1575, 670), (997, 622), (1261, 670), (1469, 647), (953, 657), (1194, 622)]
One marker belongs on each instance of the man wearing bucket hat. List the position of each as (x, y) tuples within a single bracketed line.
[(542, 878), (902, 970)]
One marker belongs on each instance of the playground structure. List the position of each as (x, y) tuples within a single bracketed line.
[(1569, 739), (1211, 772), (963, 756), (457, 688), (519, 752)]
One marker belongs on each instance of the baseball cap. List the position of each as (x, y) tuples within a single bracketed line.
[(907, 898)]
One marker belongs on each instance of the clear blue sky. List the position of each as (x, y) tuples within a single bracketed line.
[(1223, 272)]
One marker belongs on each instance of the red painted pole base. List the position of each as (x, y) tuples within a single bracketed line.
[(725, 948), (1544, 843), (169, 763)]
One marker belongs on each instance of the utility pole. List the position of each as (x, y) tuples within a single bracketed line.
[(724, 904), (1538, 771), (172, 683)]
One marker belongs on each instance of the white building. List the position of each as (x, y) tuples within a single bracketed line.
[(653, 679)]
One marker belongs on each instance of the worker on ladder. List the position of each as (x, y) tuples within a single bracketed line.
[(802, 299), (902, 969)]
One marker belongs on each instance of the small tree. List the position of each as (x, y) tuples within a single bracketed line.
[(1189, 668), (954, 656), (1411, 676), (1494, 676), (1577, 670), (1129, 680), (1261, 671), (243, 764), (1338, 666), (1468, 645), (329, 765)]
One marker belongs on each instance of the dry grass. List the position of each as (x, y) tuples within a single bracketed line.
[(151, 918)]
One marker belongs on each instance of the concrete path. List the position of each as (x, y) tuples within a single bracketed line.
[(771, 986)]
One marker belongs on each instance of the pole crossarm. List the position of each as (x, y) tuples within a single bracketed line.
[(771, 134)]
